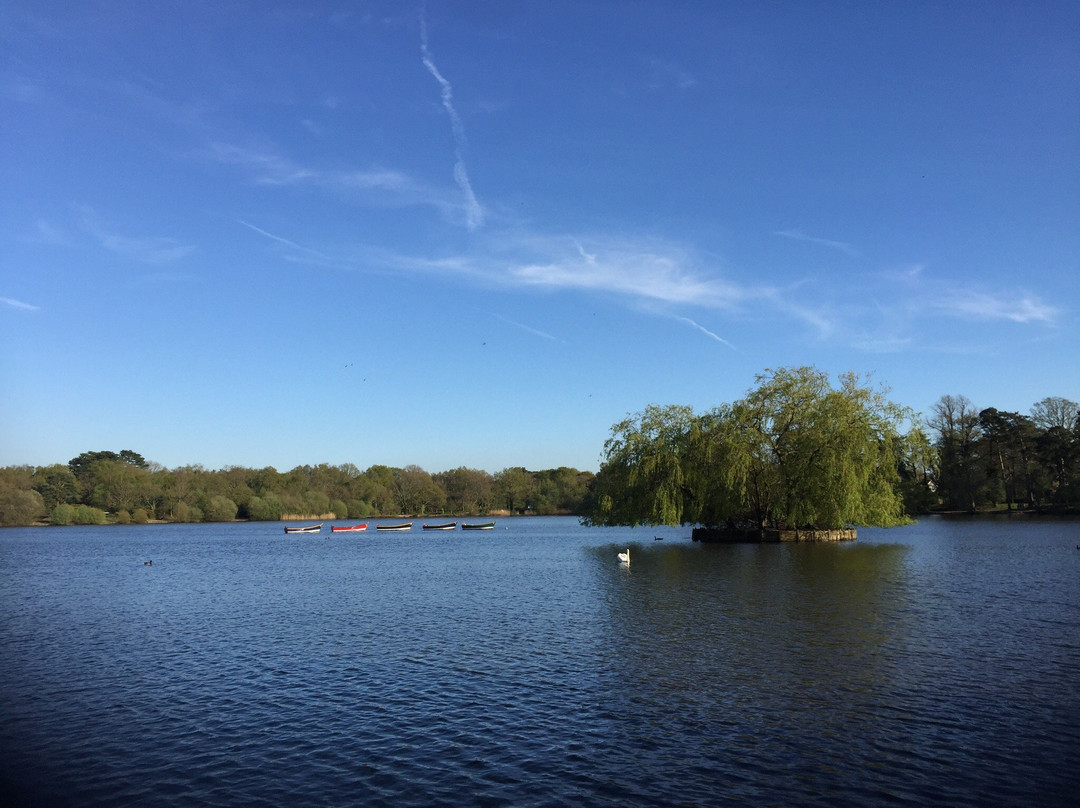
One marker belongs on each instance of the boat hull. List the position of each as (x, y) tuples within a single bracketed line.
[(399, 528), (348, 528), (482, 526), (444, 526), (305, 529)]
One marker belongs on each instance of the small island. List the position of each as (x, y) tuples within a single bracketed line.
[(739, 535)]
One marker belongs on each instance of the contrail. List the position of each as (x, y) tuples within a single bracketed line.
[(284, 241), (524, 327), (18, 304), (798, 235), (474, 213), (706, 332)]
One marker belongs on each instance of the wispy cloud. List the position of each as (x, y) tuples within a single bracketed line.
[(985, 306), (147, 249), (473, 210), (819, 317), (798, 235), (654, 272), (705, 331), (928, 294), (265, 166), (376, 186), (18, 304), (667, 278), (882, 344), (46, 232)]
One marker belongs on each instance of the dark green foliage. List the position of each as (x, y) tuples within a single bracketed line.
[(56, 484), (917, 466), (127, 488), (467, 490), (82, 467), (268, 507), (515, 490), (993, 458)]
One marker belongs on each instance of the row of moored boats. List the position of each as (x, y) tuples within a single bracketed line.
[(399, 527)]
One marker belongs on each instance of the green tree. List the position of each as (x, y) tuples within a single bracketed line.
[(416, 492), (19, 505), (182, 512), (561, 490), (808, 455), (377, 487), (1008, 448), (315, 503), (515, 488), (219, 509), (468, 491), (56, 484), (644, 477), (358, 508), (794, 453), (89, 515), (918, 472), (118, 486), (266, 508), (83, 466), (961, 480), (62, 514), (236, 485), (177, 486)]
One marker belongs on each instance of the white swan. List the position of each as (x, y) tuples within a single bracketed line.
[(625, 557)]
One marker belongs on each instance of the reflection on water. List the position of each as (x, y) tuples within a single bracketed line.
[(733, 655), (932, 664)]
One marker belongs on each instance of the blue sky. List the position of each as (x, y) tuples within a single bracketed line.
[(480, 233)]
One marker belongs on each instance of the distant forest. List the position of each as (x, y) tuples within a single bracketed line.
[(123, 487), (961, 459)]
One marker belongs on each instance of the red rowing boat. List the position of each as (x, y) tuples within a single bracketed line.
[(348, 528)]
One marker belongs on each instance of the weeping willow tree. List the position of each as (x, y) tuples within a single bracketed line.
[(796, 452), (644, 475)]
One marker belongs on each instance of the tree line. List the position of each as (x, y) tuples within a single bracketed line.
[(794, 452), (101, 486), (985, 458), (797, 452)]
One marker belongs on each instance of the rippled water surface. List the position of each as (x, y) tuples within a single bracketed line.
[(933, 664)]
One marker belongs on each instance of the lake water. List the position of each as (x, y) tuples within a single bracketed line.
[(933, 664)]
